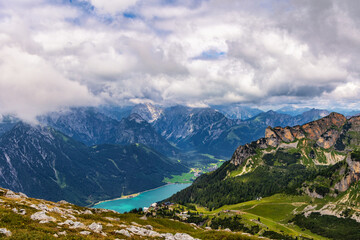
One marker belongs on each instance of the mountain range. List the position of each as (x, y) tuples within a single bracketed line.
[(82, 144), (89, 126)]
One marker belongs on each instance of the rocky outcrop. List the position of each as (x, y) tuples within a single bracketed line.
[(325, 131), (242, 153)]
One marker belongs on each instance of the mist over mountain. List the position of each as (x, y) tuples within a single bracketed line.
[(238, 111)]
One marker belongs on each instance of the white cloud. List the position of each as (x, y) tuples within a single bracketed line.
[(276, 51), (30, 86)]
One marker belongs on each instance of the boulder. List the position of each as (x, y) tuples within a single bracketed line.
[(123, 232), (56, 210), (11, 194), (42, 217), (63, 233), (4, 231), (143, 232), (87, 212), (112, 219), (23, 195), (183, 236), (96, 227), (85, 233)]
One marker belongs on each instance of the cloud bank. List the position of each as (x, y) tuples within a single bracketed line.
[(60, 53)]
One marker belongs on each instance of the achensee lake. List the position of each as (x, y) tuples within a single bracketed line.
[(144, 199)]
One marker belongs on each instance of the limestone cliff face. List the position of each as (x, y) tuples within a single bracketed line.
[(351, 177), (247, 150), (325, 132), (328, 139), (315, 129)]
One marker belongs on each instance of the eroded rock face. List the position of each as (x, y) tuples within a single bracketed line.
[(328, 139), (285, 134), (315, 129), (351, 177)]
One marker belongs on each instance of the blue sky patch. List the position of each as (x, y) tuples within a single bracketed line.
[(211, 55)]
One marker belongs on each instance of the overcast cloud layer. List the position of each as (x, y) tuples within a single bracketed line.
[(59, 53)]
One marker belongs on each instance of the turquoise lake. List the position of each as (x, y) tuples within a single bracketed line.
[(144, 199)]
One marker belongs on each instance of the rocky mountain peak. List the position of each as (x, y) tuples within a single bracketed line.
[(134, 117), (324, 131), (148, 111)]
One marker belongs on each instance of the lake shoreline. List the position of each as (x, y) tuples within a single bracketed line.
[(135, 194)]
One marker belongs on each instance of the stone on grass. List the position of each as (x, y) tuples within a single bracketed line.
[(6, 232), (11, 194), (95, 227), (123, 232), (85, 233), (42, 217)]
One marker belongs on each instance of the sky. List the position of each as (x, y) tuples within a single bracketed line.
[(264, 53)]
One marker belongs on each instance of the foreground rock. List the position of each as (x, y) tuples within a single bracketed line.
[(4, 231), (96, 227), (42, 217), (73, 222)]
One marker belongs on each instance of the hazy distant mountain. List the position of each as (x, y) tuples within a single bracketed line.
[(6, 123), (84, 124), (91, 127), (291, 110), (190, 127), (115, 112), (273, 119), (134, 129), (238, 111), (308, 116), (147, 111), (45, 163)]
